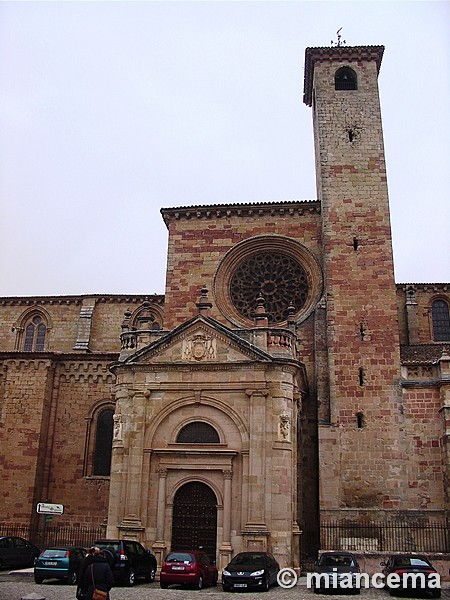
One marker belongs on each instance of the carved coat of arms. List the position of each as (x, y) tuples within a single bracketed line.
[(199, 347)]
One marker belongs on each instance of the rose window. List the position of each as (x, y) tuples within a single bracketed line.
[(279, 278)]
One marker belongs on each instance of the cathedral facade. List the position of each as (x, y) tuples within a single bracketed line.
[(283, 378)]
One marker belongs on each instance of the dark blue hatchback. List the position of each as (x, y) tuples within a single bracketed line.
[(250, 571), (62, 562)]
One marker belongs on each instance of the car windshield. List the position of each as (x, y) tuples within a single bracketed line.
[(54, 553), (249, 559), (409, 561), (180, 557), (336, 560)]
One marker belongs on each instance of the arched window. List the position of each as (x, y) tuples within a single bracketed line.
[(147, 318), (441, 321), (35, 331), (345, 79), (198, 432), (103, 443)]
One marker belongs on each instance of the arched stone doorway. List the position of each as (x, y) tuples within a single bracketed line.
[(194, 521)]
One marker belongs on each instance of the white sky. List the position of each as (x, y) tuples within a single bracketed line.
[(111, 110)]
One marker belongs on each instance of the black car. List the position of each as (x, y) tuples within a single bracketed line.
[(17, 552), (129, 560), (335, 571), (250, 571), (411, 572), (62, 562)]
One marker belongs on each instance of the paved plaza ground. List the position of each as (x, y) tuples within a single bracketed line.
[(17, 586)]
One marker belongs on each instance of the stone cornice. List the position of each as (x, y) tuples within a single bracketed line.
[(108, 357), (121, 367), (425, 287), (284, 208), (77, 300), (336, 54)]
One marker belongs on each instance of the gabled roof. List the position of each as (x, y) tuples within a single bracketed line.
[(422, 353), (165, 341)]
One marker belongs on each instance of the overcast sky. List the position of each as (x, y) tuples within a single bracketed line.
[(111, 110)]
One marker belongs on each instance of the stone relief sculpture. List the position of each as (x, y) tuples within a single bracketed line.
[(284, 428), (199, 347)]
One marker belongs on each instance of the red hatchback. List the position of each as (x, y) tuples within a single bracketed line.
[(194, 568)]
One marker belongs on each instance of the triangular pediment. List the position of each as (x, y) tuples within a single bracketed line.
[(199, 340)]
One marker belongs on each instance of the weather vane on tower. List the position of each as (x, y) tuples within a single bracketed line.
[(338, 39)]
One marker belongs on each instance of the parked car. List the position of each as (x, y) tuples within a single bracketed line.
[(250, 570), (337, 570), (129, 560), (193, 568), (62, 562), (17, 552), (402, 564)]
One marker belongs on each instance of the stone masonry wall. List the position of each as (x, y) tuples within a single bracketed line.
[(363, 452), (197, 243), (24, 416), (82, 388)]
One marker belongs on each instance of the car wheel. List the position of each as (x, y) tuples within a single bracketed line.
[(72, 578), (225, 588), (392, 591), (131, 579), (163, 585), (199, 583), (266, 584), (151, 575), (215, 578), (38, 579)]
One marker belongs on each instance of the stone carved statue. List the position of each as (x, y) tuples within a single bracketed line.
[(284, 427)]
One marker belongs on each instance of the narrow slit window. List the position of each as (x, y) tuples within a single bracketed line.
[(362, 331), (361, 376)]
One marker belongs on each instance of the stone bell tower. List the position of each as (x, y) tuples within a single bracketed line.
[(361, 423)]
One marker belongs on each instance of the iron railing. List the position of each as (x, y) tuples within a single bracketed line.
[(51, 534), (374, 537)]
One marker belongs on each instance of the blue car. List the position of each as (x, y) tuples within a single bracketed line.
[(62, 562)]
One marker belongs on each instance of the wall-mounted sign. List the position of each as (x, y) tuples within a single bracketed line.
[(44, 508)]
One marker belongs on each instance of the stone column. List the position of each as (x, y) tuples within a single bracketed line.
[(227, 476), (257, 476), (255, 532), (161, 511), (412, 316), (134, 443), (159, 547), (226, 550)]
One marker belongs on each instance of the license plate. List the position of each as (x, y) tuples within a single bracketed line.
[(177, 568), (240, 585), (50, 564)]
